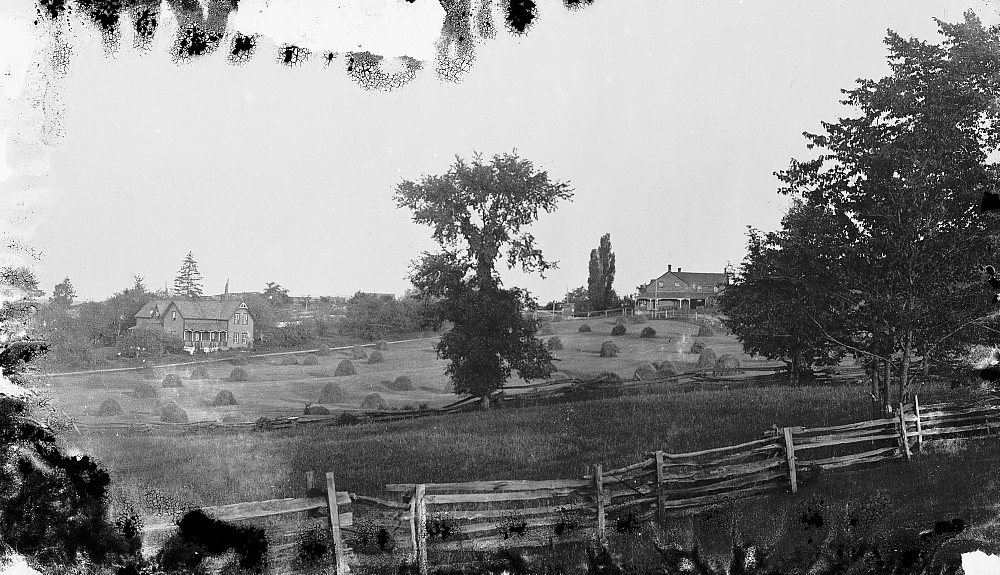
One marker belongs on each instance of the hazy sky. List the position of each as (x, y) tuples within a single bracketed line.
[(668, 118)]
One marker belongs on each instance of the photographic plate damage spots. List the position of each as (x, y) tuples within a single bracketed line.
[(242, 48), (291, 55), (369, 70)]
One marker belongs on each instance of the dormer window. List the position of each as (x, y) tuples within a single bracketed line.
[(660, 284), (173, 316)]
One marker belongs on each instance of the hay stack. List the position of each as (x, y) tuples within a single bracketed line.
[(705, 331), (381, 344), (620, 320), (609, 377), (644, 371), (707, 358), (144, 390), (647, 332), (584, 328), (109, 408), (200, 372), (345, 368), (172, 380), (667, 368), (224, 397), (619, 329), (310, 359), (558, 375), (315, 410), (545, 328), (322, 351), (239, 374), (94, 382), (609, 349), (358, 353), (374, 401), (401, 383), (147, 372), (331, 394), (554, 344), (375, 357), (727, 365), (288, 360), (173, 413), (238, 360), (637, 319), (697, 347)]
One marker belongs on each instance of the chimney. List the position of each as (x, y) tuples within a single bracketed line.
[(678, 270), (668, 268)]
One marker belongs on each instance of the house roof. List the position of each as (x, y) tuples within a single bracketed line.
[(676, 295), (221, 309), (698, 278)]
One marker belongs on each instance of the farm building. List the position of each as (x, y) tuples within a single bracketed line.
[(681, 290), (218, 323)]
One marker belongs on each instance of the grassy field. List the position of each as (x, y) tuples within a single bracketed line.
[(275, 390)]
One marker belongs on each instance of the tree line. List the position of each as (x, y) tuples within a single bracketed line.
[(880, 253)]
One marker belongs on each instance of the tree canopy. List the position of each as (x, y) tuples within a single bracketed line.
[(600, 282), (188, 280), (63, 293), (479, 212)]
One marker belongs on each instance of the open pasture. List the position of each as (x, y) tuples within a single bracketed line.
[(276, 390)]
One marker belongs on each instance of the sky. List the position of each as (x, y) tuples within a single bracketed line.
[(667, 118)]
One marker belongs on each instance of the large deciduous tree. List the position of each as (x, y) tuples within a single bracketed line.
[(788, 297), (904, 173), (602, 276), (479, 212), (277, 295), (188, 280), (63, 293)]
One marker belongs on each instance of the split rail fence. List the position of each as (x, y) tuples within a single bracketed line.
[(428, 522)]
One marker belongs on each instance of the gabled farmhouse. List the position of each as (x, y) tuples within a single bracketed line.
[(681, 290), (206, 324)]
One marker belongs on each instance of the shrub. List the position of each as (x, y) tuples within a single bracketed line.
[(173, 413), (172, 380), (144, 390), (238, 360), (697, 347), (584, 328), (224, 397), (322, 351), (705, 331), (358, 353), (345, 367), (707, 358), (200, 372), (374, 401), (381, 344), (331, 394), (647, 332), (289, 360), (375, 357), (146, 341), (609, 377), (315, 410), (655, 364), (644, 371), (239, 374), (554, 344), (94, 382), (667, 368), (310, 359), (618, 329), (109, 407), (401, 383), (726, 365), (545, 328), (609, 349)]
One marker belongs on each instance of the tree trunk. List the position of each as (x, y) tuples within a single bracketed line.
[(904, 370), (794, 376), (485, 403), (926, 363), (886, 379)]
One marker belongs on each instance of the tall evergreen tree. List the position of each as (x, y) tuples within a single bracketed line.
[(602, 276), (63, 293), (188, 281)]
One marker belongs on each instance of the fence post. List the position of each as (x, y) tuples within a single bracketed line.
[(414, 554), (421, 508), (904, 445), (659, 488), (599, 489), (340, 567), (790, 456), (920, 431)]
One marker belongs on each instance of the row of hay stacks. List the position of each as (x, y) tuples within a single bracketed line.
[(332, 394), (168, 410)]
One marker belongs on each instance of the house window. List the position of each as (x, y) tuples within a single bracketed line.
[(246, 337), (246, 319), (677, 284), (661, 284), (173, 316)]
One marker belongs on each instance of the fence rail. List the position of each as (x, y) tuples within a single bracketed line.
[(473, 516)]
